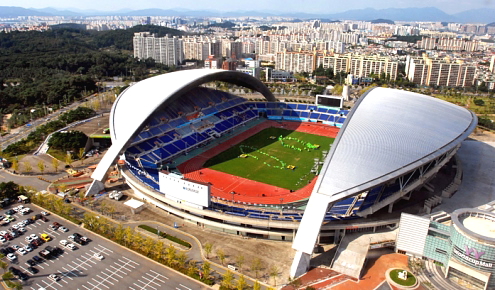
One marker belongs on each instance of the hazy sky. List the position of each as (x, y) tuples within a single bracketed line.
[(311, 6)]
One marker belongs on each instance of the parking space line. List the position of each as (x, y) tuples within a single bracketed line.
[(75, 269), (77, 265), (116, 273), (84, 262), (100, 283), (91, 285), (86, 287), (109, 276), (150, 280), (156, 278), (65, 275), (49, 285), (185, 287), (122, 267), (105, 279), (69, 271)]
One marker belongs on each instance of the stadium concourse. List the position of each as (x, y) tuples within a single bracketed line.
[(245, 191), (380, 159)]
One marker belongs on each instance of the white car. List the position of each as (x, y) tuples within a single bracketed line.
[(33, 236), (15, 247), (71, 246), (11, 257), (16, 227), (63, 229), (28, 248), (53, 277), (29, 239), (2, 240), (98, 256), (22, 251), (64, 242), (44, 213), (3, 233), (21, 230)]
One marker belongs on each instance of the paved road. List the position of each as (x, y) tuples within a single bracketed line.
[(78, 269), (29, 180)]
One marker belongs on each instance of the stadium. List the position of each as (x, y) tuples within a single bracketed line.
[(279, 170)]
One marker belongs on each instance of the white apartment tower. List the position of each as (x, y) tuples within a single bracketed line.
[(167, 50)]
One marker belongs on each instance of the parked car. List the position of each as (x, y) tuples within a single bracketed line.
[(71, 246), (11, 257), (98, 256), (53, 277), (45, 213), (37, 259), (45, 237), (22, 251), (63, 229), (31, 262), (32, 270)]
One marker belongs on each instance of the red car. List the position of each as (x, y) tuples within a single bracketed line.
[(8, 237)]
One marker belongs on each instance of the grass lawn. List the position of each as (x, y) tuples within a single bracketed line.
[(410, 281), (267, 157)]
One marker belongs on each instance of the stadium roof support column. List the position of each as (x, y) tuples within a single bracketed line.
[(308, 232)]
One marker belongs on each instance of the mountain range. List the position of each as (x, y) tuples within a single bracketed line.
[(397, 14)]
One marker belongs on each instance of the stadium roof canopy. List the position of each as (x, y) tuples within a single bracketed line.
[(137, 104), (387, 134)]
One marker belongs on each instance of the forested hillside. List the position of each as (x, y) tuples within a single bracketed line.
[(56, 66)]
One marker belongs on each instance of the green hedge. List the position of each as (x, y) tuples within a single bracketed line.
[(166, 236)]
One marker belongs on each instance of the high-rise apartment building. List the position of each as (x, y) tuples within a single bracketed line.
[(359, 65), (295, 61), (167, 50), (440, 72)]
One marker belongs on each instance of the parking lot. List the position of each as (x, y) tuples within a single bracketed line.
[(80, 269)]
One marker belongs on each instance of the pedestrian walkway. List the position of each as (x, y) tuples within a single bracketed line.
[(434, 275)]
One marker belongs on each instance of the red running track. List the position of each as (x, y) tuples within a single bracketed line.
[(246, 190)]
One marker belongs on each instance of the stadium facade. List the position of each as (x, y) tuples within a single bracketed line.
[(391, 143)]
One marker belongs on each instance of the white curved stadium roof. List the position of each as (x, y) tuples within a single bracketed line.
[(388, 133), (137, 103)]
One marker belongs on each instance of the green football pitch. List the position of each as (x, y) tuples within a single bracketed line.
[(264, 157)]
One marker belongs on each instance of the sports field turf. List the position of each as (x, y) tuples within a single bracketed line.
[(268, 154)]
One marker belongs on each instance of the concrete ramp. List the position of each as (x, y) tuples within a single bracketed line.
[(353, 249)]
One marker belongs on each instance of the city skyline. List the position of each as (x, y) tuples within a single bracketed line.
[(276, 6)]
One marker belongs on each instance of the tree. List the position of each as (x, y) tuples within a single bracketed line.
[(41, 166), (119, 233), (206, 270), (191, 268), (110, 210), (80, 155), (15, 164), (149, 245), (221, 255), (68, 159), (170, 253), (27, 167), (241, 283), (256, 266), (239, 261), (274, 274), (256, 285), (228, 279), (55, 164), (208, 247), (181, 259)]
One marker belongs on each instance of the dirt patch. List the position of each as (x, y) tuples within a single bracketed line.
[(482, 135)]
